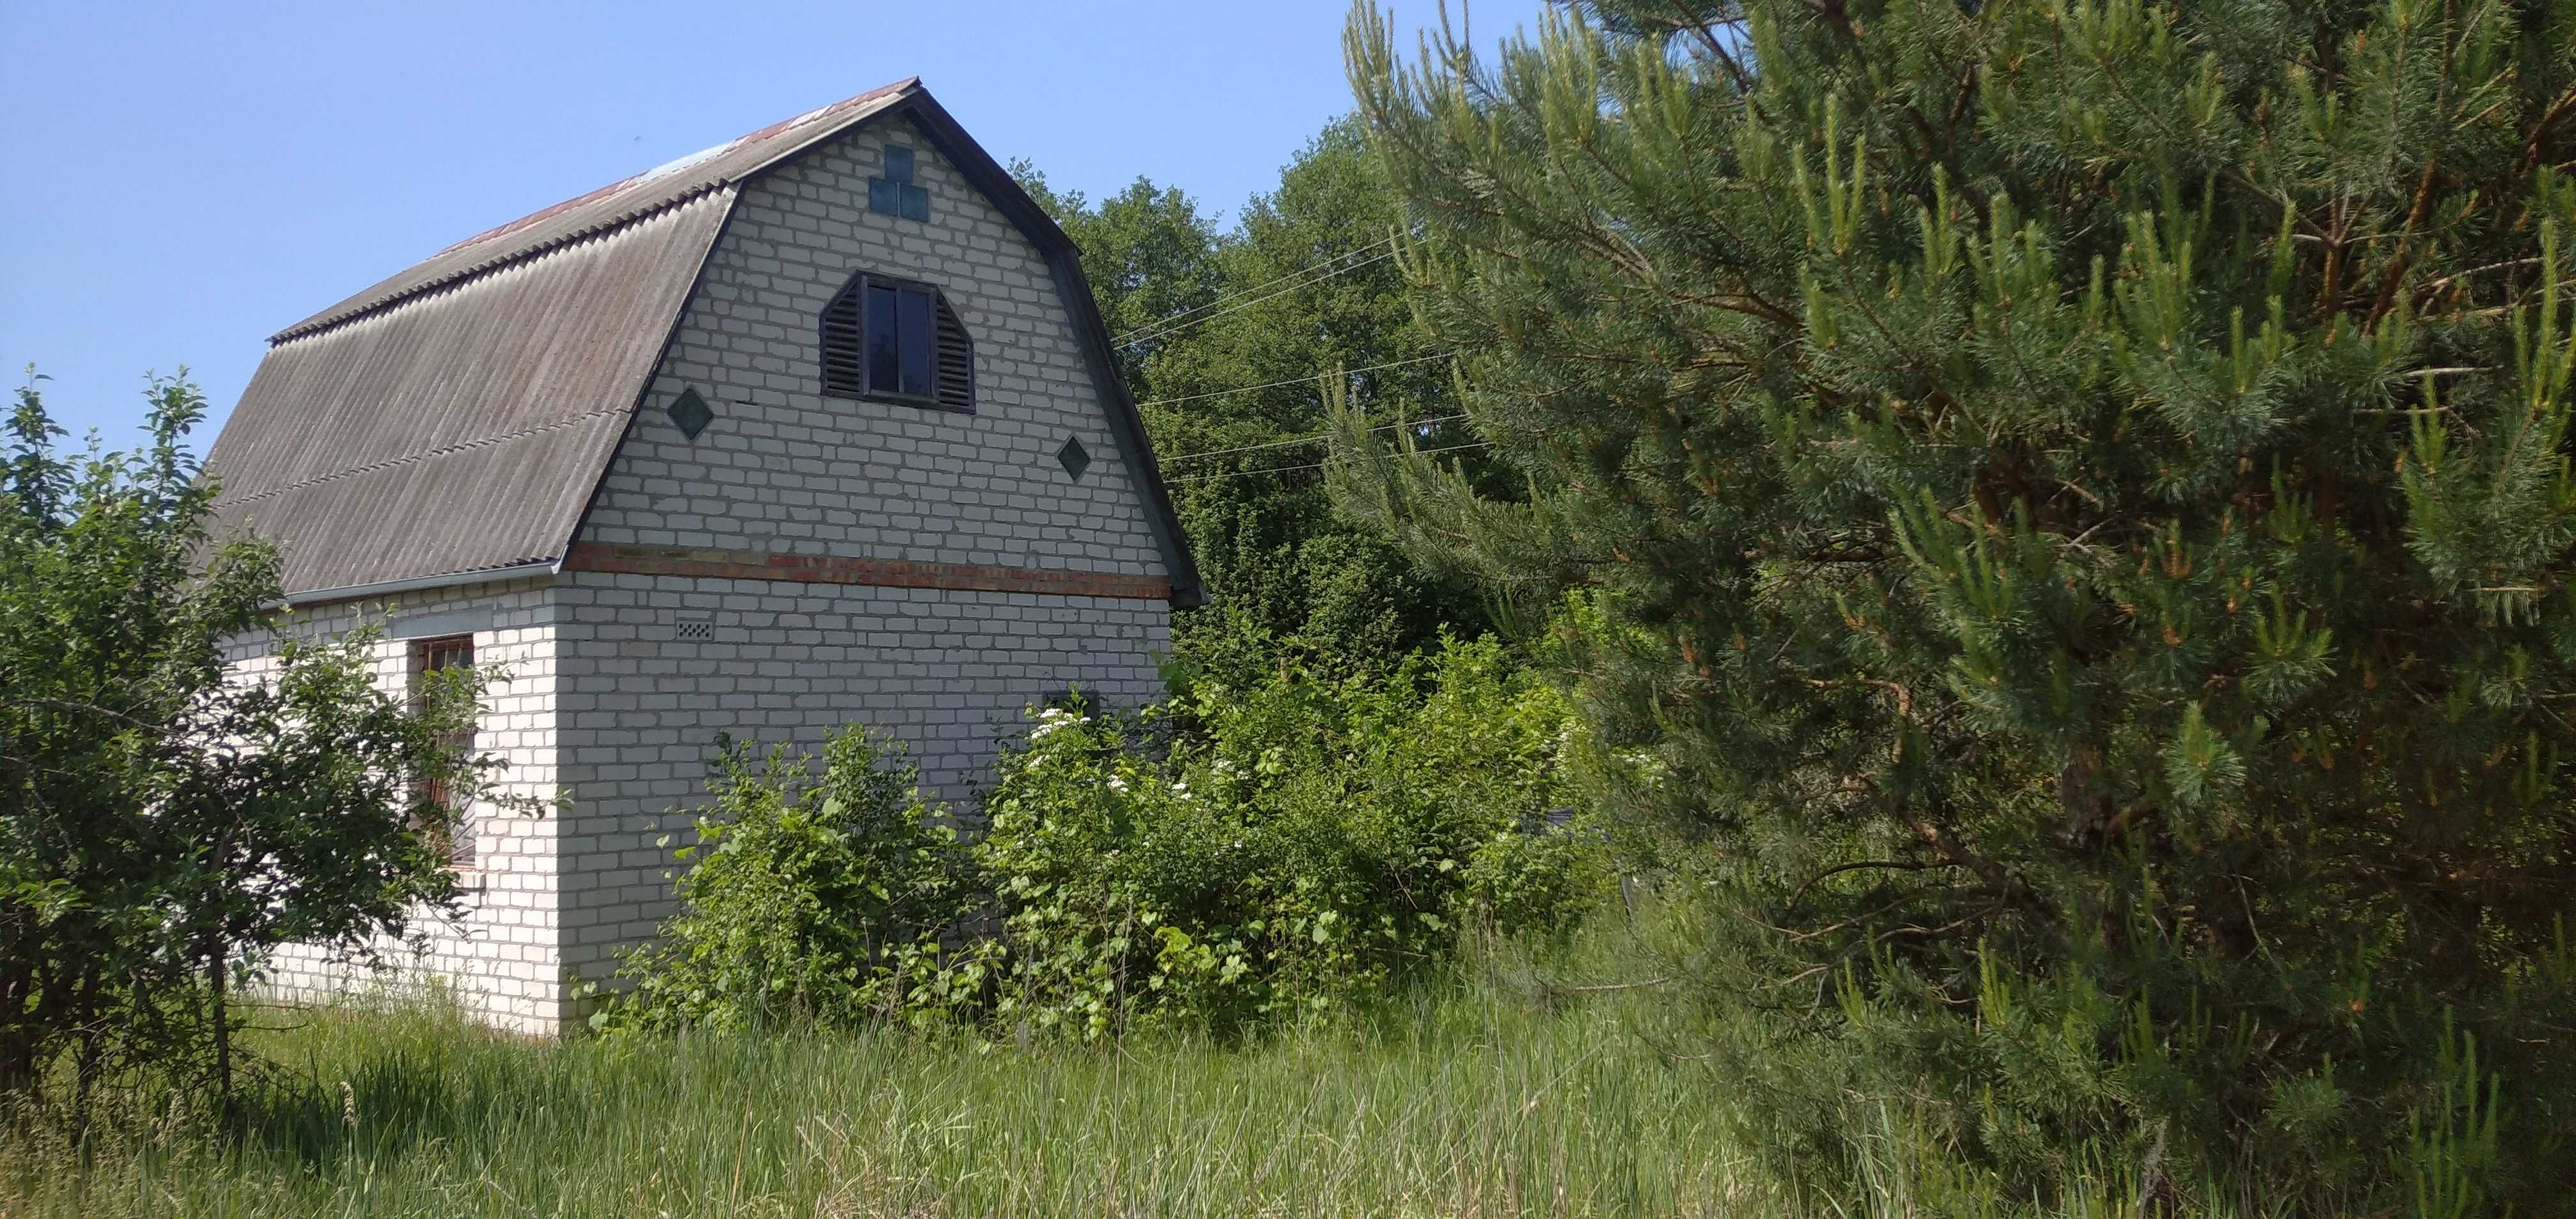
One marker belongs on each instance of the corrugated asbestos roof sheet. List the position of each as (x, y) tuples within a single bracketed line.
[(455, 417), (460, 429), (614, 204)]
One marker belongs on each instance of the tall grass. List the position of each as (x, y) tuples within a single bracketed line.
[(1514, 1091), (1472, 1103)]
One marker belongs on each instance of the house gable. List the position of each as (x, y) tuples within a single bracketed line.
[(787, 482)]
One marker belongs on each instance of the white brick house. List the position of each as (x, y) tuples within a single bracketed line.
[(817, 426)]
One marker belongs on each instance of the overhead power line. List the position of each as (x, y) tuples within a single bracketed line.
[(1245, 389), (1183, 315), (1316, 465), (1210, 317), (1177, 327), (1277, 444)]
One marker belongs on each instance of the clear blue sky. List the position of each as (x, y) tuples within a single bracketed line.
[(185, 180)]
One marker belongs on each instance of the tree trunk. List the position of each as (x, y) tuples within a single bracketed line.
[(86, 1059), (2081, 798), (18, 986), (217, 967)]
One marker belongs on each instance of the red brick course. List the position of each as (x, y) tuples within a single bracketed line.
[(837, 569)]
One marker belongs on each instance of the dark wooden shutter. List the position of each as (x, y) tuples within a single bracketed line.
[(956, 361), (844, 352)]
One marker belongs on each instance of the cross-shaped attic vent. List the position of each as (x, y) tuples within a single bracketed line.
[(894, 194)]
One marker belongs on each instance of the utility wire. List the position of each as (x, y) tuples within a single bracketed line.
[(1274, 444), (1325, 262), (1177, 327), (1200, 478), (1220, 297), (1245, 389), (1184, 314)]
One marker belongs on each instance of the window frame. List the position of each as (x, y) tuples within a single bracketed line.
[(428, 655), (852, 299)]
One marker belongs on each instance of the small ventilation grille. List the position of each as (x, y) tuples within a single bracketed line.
[(693, 628), (1074, 458)]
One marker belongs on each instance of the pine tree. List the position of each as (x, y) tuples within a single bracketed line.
[(2070, 504)]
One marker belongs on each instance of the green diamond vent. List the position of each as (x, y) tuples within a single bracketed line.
[(691, 414)]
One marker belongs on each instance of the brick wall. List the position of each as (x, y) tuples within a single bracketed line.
[(504, 959), (946, 672)]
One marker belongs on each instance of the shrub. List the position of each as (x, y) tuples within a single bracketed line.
[(1302, 844), (1536, 878), (806, 890), (1232, 860), (163, 826)]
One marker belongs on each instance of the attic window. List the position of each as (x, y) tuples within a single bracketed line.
[(893, 192), (896, 340)]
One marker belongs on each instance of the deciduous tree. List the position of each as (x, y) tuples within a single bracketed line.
[(167, 826)]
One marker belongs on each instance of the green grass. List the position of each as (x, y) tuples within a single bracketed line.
[(1474, 1104)]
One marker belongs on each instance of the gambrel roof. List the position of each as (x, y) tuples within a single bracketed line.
[(452, 423)]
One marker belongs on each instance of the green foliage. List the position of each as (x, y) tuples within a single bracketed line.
[(1230, 340), (1146, 250), (1300, 844), (1316, 308), (804, 889), (1537, 877), (167, 827), (2071, 505), (1242, 859)]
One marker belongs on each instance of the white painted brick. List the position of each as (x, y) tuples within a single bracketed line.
[(876, 479), (503, 959)]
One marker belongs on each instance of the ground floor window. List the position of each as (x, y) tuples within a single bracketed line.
[(430, 656)]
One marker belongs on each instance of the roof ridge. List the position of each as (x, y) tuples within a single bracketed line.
[(347, 314), (715, 168), (677, 164)]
